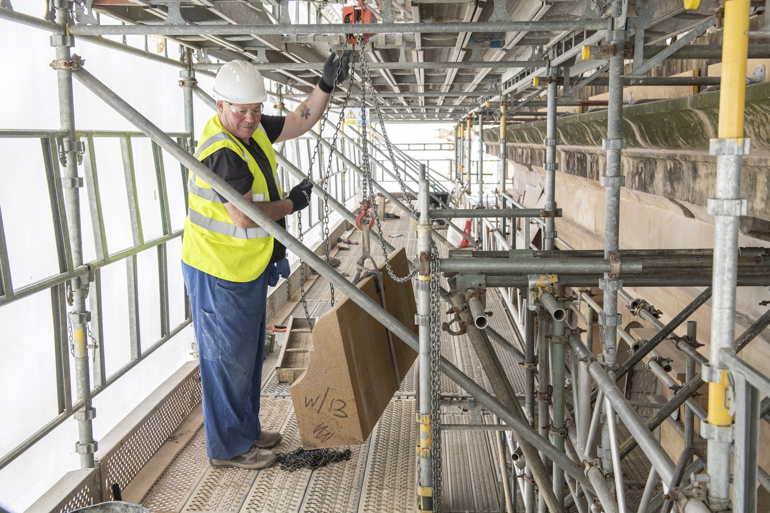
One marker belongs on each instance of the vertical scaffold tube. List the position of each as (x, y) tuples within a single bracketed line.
[(543, 329), (550, 161), (584, 387), (458, 159), (78, 315), (425, 489), (468, 154), (558, 348), (481, 160), (529, 394), (689, 416), (461, 151), (188, 82), (613, 182), (726, 207), (503, 163)]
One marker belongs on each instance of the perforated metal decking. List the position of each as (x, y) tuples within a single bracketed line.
[(381, 474)]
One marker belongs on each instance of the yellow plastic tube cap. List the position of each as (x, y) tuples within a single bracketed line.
[(586, 52), (536, 81), (691, 4)]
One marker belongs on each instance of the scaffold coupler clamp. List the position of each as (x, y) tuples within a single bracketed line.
[(561, 432), (424, 264), (539, 283), (545, 396), (187, 81), (588, 464), (73, 64), (461, 325), (67, 145), (563, 340), (639, 304)]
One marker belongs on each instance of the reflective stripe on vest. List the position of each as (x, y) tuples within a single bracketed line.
[(221, 136), (223, 228), (211, 194)]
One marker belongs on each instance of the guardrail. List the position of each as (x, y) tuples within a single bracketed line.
[(59, 285)]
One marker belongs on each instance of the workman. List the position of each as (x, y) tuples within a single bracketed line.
[(228, 260)]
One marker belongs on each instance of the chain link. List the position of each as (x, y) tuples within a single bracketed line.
[(368, 187), (312, 459), (326, 179), (435, 374), (302, 269), (325, 187)]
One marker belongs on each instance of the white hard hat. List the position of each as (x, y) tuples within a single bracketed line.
[(239, 82)]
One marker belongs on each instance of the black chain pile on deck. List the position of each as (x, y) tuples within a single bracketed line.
[(313, 459)]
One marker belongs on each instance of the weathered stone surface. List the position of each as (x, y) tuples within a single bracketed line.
[(678, 124), (667, 151)]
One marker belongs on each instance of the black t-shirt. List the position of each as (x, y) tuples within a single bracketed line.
[(235, 171)]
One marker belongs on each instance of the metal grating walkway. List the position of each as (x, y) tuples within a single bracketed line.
[(381, 474)]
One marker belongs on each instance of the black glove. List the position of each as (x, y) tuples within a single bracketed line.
[(300, 195), (335, 71)]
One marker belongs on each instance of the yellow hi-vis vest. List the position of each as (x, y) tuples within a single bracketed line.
[(212, 243)]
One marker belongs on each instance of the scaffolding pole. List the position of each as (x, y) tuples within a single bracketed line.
[(550, 142), (425, 490), (726, 207), (613, 181), (481, 160), (325, 270), (282, 29), (70, 156)]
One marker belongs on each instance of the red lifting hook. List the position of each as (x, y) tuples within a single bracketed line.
[(364, 210)]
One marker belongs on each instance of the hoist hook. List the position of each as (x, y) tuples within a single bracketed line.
[(364, 211)]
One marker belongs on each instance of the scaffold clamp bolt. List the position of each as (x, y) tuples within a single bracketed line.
[(73, 64)]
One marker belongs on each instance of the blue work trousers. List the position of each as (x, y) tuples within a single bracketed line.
[(229, 322)]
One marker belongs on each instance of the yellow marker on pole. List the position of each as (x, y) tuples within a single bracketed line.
[(735, 45)]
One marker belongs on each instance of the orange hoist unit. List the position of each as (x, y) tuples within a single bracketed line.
[(357, 14)]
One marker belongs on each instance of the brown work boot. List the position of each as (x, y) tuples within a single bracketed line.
[(253, 459), (268, 439)]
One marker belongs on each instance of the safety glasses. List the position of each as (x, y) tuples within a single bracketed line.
[(243, 111)]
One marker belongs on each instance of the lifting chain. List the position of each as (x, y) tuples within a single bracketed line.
[(368, 184), (325, 186), (312, 459), (302, 270), (326, 179), (435, 374)]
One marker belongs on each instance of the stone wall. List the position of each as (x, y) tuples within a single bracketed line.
[(667, 150)]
